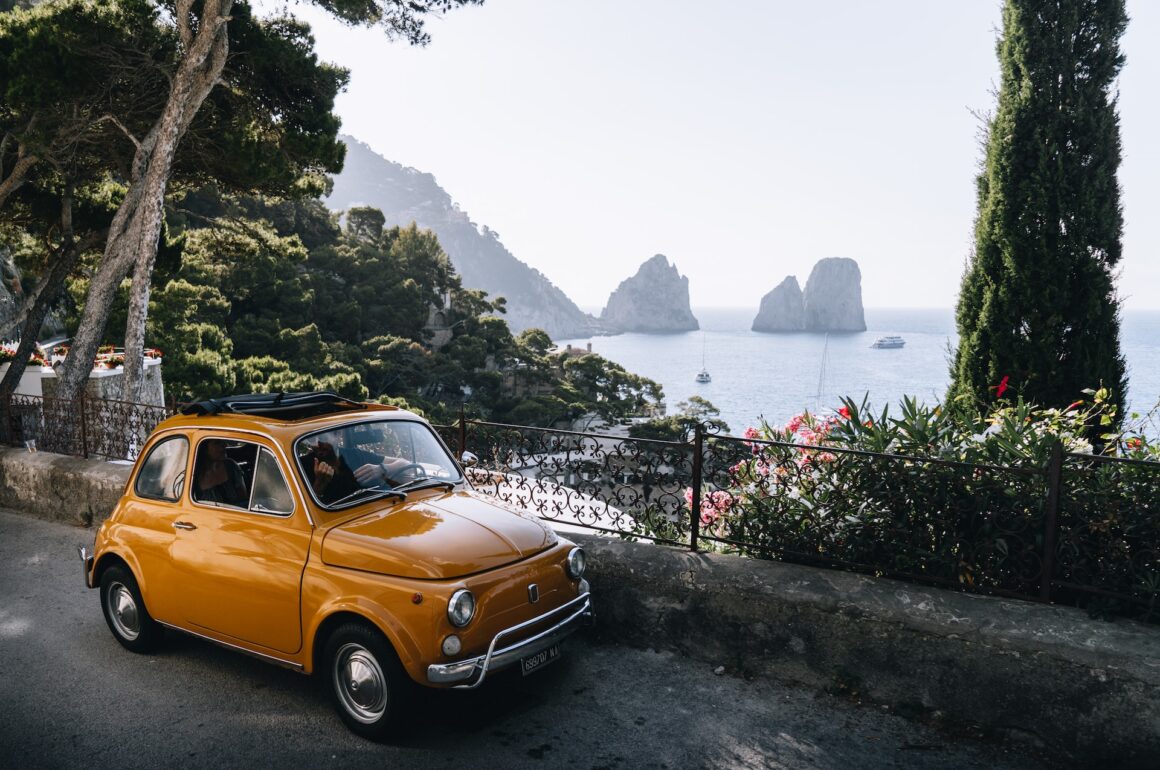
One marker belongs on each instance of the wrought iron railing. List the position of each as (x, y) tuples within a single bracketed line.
[(87, 427), (1080, 529)]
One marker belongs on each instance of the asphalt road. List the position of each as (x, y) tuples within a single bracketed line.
[(70, 696)]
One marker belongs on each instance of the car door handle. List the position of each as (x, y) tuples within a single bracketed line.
[(183, 525)]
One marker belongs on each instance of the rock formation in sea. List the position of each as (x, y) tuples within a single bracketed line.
[(833, 297), (406, 195), (654, 301), (832, 301), (782, 310)]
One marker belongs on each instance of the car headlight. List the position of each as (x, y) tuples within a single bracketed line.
[(461, 608), (576, 563)]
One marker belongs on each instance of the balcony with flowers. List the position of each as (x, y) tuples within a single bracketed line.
[(39, 377)]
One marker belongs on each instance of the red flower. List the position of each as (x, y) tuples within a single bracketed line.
[(845, 412), (1072, 405), (1002, 388), (1135, 443)]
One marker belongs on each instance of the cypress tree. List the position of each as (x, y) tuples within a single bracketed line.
[(1038, 304)]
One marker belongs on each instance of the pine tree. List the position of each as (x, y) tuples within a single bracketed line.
[(1038, 305)]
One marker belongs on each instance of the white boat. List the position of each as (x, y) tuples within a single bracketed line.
[(703, 375), (890, 341)]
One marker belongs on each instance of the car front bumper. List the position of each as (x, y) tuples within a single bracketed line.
[(473, 671)]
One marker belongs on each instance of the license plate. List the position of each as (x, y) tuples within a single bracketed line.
[(539, 660)]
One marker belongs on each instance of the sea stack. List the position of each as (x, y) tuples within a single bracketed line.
[(782, 310), (833, 297), (654, 301), (832, 301)]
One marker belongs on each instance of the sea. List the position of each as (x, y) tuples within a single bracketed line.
[(772, 377)]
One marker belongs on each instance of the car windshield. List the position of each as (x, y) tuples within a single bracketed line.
[(366, 460)]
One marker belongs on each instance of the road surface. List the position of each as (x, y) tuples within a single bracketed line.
[(70, 696)]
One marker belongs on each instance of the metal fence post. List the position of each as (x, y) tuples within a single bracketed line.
[(1050, 517), (462, 431), (84, 431), (695, 514)]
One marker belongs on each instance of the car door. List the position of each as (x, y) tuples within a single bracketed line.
[(145, 524), (241, 561)]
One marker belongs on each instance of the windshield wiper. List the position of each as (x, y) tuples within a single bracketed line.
[(364, 490), (417, 484)]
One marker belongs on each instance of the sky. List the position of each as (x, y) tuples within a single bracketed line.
[(744, 141)]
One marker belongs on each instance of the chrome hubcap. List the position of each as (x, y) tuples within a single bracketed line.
[(360, 683), (123, 611)]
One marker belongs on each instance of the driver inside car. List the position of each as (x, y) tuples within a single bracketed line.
[(339, 465)]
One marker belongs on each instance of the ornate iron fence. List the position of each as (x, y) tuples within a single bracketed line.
[(1082, 529), (88, 427)]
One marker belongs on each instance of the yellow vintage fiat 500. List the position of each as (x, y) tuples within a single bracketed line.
[(336, 537)]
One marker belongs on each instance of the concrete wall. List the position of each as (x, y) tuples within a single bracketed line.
[(1051, 675), (60, 488)]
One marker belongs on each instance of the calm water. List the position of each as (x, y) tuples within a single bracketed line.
[(776, 376)]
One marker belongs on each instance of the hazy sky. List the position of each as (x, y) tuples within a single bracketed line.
[(743, 140)]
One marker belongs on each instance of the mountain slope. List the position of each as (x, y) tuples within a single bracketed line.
[(405, 195)]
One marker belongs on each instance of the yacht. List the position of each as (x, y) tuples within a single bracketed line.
[(889, 342), (703, 376)]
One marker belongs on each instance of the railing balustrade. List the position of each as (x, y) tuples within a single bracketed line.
[(1081, 529)]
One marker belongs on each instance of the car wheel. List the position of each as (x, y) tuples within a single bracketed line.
[(125, 611), (367, 682)]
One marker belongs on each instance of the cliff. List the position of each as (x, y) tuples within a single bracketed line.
[(405, 195), (654, 301), (782, 310), (832, 301)]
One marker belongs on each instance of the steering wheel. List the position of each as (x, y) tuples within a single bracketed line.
[(178, 485), (418, 471)]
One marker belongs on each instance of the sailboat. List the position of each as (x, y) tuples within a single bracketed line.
[(822, 375), (703, 375)]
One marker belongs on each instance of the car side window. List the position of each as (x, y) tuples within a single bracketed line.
[(223, 472), (271, 494), (162, 475)]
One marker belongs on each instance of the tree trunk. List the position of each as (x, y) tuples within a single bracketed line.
[(44, 296), (132, 243), (15, 178)]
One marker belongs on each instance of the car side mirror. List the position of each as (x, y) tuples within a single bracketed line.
[(468, 460)]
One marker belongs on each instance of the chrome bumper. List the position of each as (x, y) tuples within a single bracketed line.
[(87, 561), (575, 613)]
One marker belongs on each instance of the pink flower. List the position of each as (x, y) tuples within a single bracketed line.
[(1073, 405), (752, 433)]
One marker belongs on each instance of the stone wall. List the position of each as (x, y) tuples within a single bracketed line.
[(60, 488), (1087, 688)]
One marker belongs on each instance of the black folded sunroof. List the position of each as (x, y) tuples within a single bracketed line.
[(280, 406)]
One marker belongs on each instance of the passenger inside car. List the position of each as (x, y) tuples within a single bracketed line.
[(218, 477)]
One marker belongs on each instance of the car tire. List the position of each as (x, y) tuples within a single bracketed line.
[(125, 611), (367, 683)]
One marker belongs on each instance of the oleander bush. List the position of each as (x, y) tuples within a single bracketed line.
[(945, 496)]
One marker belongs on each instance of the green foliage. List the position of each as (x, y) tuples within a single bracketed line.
[(1038, 305), (948, 496), (680, 426)]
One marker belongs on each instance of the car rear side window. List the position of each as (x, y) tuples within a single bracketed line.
[(162, 475)]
